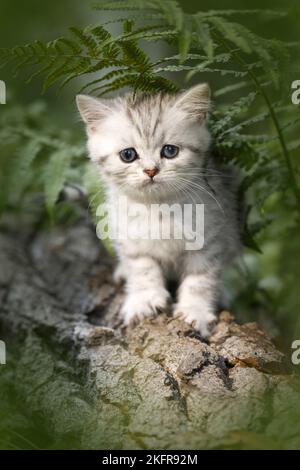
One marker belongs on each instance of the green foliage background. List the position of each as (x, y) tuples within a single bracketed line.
[(249, 55)]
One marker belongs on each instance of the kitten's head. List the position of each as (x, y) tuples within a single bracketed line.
[(149, 146)]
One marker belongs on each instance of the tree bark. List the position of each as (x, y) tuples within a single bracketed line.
[(92, 384)]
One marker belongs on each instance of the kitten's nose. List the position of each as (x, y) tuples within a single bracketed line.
[(151, 172)]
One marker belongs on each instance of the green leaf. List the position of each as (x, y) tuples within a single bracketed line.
[(231, 88), (24, 159), (232, 32), (249, 241), (202, 31), (185, 38), (55, 176), (85, 39)]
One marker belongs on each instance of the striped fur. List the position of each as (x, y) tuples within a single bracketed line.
[(147, 123)]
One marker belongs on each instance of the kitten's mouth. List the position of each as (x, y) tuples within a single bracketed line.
[(150, 181)]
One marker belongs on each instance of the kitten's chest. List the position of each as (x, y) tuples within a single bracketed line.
[(158, 230)]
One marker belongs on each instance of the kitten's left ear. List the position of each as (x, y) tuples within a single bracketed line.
[(196, 101), (92, 110)]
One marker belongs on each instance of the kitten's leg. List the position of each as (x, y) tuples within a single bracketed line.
[(197, 299), (120, 272), (146, 294)]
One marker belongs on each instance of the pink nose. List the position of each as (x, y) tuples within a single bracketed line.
[(151, 172)]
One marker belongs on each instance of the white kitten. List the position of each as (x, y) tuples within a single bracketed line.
[(155, 149)]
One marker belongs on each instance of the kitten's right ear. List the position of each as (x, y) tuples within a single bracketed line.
[(92, 110), (196, 101)]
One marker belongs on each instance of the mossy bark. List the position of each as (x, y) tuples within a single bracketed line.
[(95, 385)]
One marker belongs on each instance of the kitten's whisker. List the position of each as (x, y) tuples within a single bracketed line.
[(178, 189), (187, 192), (198, 173), (210, 194), (190, 191), (196, 185)]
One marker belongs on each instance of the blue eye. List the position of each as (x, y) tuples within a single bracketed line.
[(169, 151), (128, 155)]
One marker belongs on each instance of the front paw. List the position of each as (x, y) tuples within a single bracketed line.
[(144, 304), (199, 318)]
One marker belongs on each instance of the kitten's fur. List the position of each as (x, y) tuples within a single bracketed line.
[(147, 123)]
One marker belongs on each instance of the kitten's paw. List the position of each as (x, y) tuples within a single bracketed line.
[(202, 321), (144, 304)]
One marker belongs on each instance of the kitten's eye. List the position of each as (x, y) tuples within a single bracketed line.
[(169, 151), (128, 155)]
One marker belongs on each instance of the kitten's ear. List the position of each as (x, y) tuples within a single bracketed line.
[(92, 110), (196, 101)]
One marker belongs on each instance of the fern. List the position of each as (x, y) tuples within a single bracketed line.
[(36, 158), (24, 159), (55, 176)]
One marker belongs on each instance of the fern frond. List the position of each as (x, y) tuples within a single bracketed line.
[(24, 159), (184, 43), (117, 84), (294, 145), (119, 5), (108, 76), (129, 5), (86, 39), (232, 32), (55, 176), (231, 88), (264, 12), (133, 54)]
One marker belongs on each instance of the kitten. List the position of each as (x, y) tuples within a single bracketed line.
[(155, 149)]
